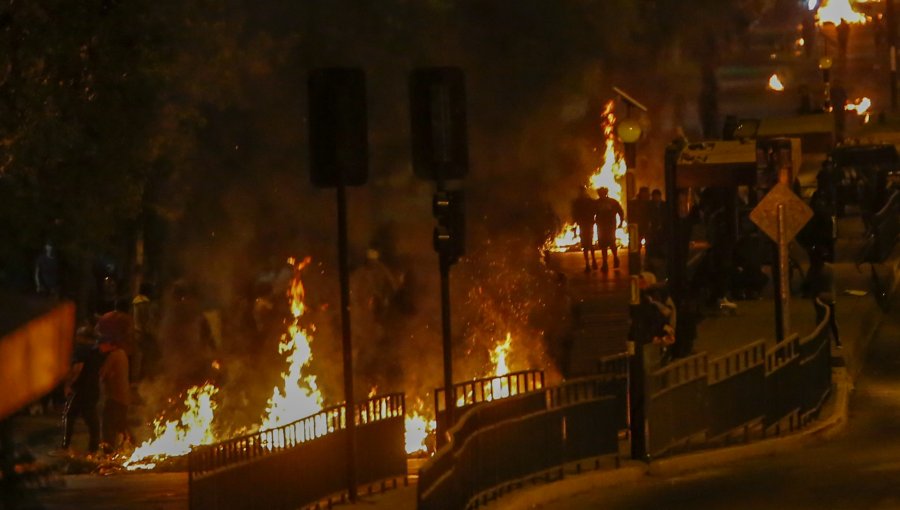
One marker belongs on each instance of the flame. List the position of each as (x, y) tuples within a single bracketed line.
[(837, 12), (499, 356), (775, 83), (611, 170), (298, 395), (418, 429), (174, 438)]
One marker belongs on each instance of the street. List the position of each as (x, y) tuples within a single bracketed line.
[(858, 469)]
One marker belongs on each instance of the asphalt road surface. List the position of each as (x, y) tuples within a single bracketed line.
[(858, 469)]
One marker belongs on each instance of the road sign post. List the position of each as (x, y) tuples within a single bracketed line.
[(338, 144), (780, 215)]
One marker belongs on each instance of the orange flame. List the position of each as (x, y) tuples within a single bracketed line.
[(174, 438), (611, 170), (775, 83), (837, 12), (298, 395)]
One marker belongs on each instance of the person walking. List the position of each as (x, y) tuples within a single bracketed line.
[(606, 211), (82, 390), (583, 210)]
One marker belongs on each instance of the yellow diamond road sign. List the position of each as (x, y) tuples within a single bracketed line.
[(796, 212)]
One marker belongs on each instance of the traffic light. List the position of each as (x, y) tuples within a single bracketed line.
[(450, 234)]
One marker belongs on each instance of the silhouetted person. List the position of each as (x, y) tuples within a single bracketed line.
[(606, 212), (640, 211), (46, 272), (82, 388), (843, 37), (116, 392), (583, 210), (656, 235)]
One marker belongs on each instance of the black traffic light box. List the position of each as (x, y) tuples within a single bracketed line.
[(438, 123), (450, 234), (338, 130)]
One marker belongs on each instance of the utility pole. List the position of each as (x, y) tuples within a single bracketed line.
[(891, 23)]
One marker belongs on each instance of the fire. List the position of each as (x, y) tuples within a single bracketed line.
[(418, 429), (298, 395), (611, 170), (499, 356), (861, 106), (775, 83), (174, 438), (837, 12)]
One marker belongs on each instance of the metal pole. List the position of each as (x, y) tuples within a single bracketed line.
[(344, 271), (449, 396), (784, 290), (674, 258), (892, 44)]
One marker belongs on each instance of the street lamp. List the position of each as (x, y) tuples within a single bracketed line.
[(825, 65), (629, 131)]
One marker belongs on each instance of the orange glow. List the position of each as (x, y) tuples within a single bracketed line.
[(861, 106), (775, 83), (837, 12), (298, 395), (609, 174), (176, 437)]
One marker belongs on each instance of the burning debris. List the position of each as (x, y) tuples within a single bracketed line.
[(611, 170), (298, 396), (172, 438)]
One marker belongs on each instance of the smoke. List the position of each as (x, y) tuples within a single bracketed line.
[(536, 83)]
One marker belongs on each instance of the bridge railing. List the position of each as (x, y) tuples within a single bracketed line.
[(260, 470), (487, 389), (524, 436)]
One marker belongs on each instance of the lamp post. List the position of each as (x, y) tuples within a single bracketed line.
[(629, 131), (825, 66)]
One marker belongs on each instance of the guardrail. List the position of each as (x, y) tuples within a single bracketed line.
[(486, 389), (678, 404), (507, 441), (815, 365), (737, 389), (260, 470)]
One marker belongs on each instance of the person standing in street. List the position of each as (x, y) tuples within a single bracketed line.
[(46, 272), (116, 391), (583, 209), (82, 389), (607, 210)]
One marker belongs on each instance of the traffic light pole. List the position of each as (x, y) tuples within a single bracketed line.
[(344, 270), (449, 397)]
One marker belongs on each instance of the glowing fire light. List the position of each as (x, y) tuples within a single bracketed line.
[(298, 395), (775, 83), (608, 174), (499, 356), (418, 429), (837, 12), (174, 438), (861, 106)]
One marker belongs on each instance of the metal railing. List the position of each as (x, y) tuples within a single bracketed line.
[(487, 389), (494, 444), (254, 470)]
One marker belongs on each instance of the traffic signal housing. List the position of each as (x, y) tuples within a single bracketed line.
[(450, 233)]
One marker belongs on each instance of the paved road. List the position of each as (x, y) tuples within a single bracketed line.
[(858, 469)]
